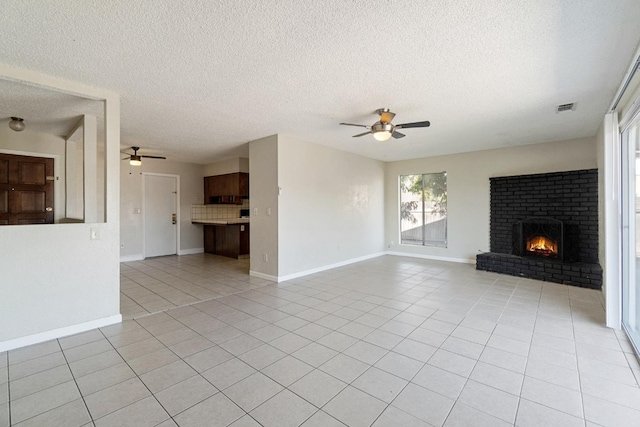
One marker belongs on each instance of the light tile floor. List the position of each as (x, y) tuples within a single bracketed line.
[(391, 341), (158, 284)]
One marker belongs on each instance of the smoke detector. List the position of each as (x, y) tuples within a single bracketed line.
[(566, 107)]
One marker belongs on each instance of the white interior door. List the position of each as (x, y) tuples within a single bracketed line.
[(160, 215)]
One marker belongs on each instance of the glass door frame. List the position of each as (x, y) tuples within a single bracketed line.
[(630, 218)]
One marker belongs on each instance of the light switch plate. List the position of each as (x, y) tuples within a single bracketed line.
[(95, 233)]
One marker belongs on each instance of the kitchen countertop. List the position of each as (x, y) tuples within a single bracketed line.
[(226, 221)]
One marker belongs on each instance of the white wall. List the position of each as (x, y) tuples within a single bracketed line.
[(263, 193), (600, 160), (468, 189), (237, 164), (331, 206), (55, 280), (31, 143), (191, 192)]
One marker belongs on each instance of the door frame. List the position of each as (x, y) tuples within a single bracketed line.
[(628, 221), (144, 209)]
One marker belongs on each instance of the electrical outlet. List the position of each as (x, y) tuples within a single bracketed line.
[(265, 258), (255, 211), (121, 245), (268, 211)]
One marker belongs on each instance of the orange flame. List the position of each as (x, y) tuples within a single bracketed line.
[(542, 245)]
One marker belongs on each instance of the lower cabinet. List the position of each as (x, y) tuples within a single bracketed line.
[(227, 240)]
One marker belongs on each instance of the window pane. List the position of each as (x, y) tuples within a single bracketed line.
[(411, 213), (435, 224), (423, 209)]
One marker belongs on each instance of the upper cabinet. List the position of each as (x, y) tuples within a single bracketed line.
[(231, 184), (243, 184)]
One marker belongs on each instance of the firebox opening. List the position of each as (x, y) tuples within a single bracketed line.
[(543, 246), (539, 237)]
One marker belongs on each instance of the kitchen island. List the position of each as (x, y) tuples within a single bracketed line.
[(226, 237)]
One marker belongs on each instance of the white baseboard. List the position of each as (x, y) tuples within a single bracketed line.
[(140, 257), (59, 333), (328, 267), (263, 276), (433, 257), (129, 258), (191, 251)]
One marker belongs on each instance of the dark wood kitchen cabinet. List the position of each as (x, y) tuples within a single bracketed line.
[(244, 240), (231, 184), (227, 240), (209, 238)]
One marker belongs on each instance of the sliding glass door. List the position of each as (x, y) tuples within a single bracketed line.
[(631, 231)]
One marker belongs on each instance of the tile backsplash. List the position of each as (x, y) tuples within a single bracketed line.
[(218, 211)]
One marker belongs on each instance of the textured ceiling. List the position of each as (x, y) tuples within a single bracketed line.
[(198, 79), (44, 110)]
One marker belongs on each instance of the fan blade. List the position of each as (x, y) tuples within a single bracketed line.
[(397, 135), (154, 157), (361, 134), (414, 125), (126, 158), (387, 116), (352, 124)]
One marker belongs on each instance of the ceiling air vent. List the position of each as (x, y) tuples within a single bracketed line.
[(566, 107)]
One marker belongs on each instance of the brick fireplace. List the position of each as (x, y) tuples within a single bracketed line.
[(545, 227)]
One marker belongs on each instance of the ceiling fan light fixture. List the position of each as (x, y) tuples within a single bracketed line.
[(382, 135), (382, 131), (135, 160), (17, 124)]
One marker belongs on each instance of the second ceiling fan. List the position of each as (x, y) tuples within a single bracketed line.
[(383, 129), (135, 159)]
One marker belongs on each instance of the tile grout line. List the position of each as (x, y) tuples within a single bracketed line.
[(338, 353), (573, 331), (250, 302), (192, 303), (75, 380), (187, 363), (139, 379), (57, 340), (291, 355), (524, 373), (468, 378)]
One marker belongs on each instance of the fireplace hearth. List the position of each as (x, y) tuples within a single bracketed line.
[(545, 227)]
